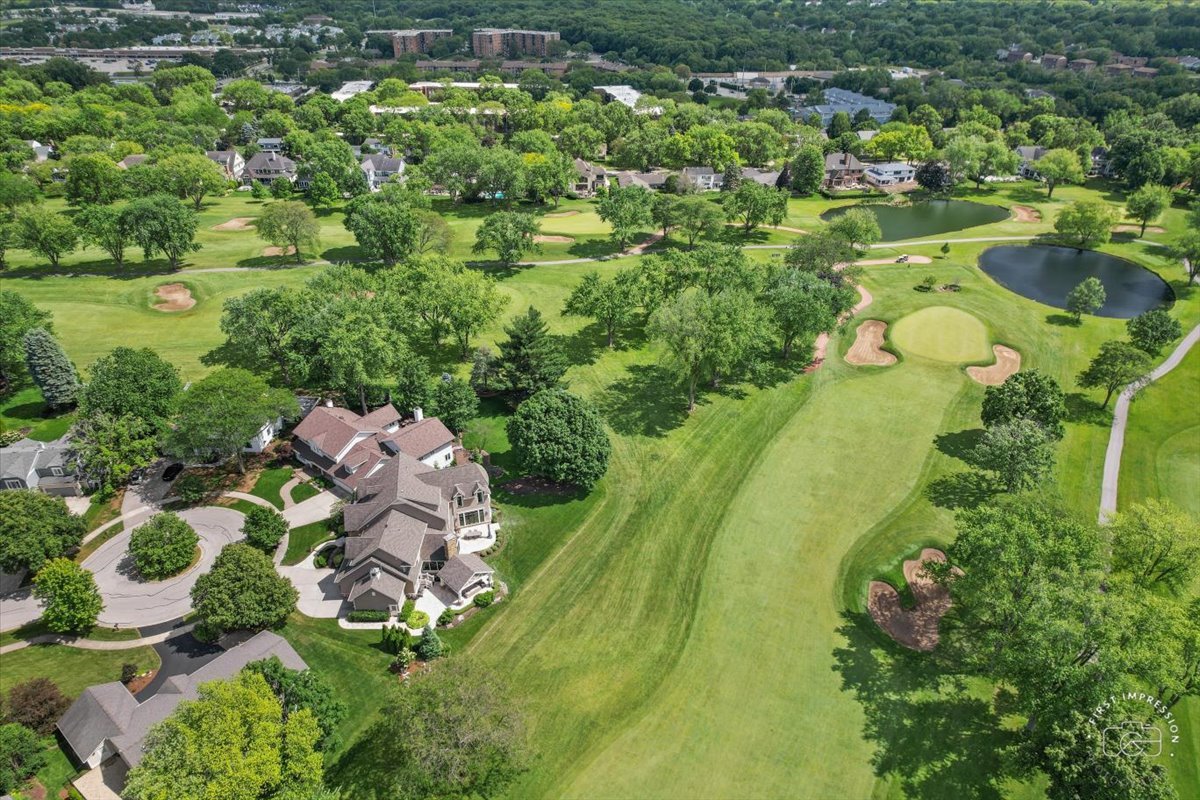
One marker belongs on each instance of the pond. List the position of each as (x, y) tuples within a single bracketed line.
[(927, 218), (1046, 273)]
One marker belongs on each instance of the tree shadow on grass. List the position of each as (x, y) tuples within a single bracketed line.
[(1062, 320), (1085, 411), (931, 735), (1027, 194), (960, 444), (648, 401), (352, 253), (103, 269), (961, 490), (362, 769)]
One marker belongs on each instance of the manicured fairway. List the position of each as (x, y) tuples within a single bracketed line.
[(942, 333), (693, 627), (1161, 457)]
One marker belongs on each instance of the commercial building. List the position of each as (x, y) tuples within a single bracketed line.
[(500, 42)]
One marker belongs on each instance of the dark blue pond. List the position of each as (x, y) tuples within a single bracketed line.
[(1046, 273), (927, 218)]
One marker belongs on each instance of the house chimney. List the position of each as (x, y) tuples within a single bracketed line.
[(451, 542), (329, 402), (418, 414)]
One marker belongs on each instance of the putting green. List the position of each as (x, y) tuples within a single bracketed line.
[(942, 333)]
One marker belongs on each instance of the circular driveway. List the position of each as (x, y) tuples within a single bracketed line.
[(132, 602)]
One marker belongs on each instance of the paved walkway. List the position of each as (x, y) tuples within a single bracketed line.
[(130, 601), (249, 498), (1116, 438), (96, 644), (314, 509), (285, 491)]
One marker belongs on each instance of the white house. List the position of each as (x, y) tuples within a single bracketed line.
[(891, 173), (380, 169), (266, 434)]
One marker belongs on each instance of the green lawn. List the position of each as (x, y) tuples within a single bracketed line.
[(304, 491), (24, 411), (694, 627), (302, 540), (71, 668), (269, 482)]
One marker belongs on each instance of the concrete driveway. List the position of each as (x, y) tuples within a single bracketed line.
[(319, 595), (130, 601), (314, 509)]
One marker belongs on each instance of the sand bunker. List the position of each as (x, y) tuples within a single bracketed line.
[(1026, 214), (235, 224), (876, 262), (867, 350), (1137, 229), (175, 296), (559, 214), (915, 628), (279, 251), (1008, 361), (821, 345), (548, 239)]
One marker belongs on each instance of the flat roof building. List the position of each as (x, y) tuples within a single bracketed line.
[(417, 41), (500, 42)]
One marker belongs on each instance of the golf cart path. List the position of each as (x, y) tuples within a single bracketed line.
[(1116, 438)]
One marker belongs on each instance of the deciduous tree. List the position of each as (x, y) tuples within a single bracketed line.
[(93, 179), (808, 170), (37, 704), (1059, 166), (46, 233), (297, 690), (609, 301), (1028, 394), (455, 403), (697, 216), (107, 228), (22, 755), (242, 591), (110, 448), (261, 330), (191, 176), (1153, 330), (264, 528), (161, 224), (1020, 453), (1117, 364), (510, 233), (17, 317), (163, 546), (1156, 542), (70, 595), (289, 224), (133, 382), (1086, 298), (233, 741), (560, 436), (627, 210), (219, 415), (1147, 204), (755, 204), (1089, 222), (34, 528)]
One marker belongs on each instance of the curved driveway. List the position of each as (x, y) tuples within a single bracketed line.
[(132, 602)]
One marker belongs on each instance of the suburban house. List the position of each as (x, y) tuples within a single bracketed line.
[(41, 152), (589, 178), (105, 727), (267, 168), (380, 169), (843, 169), (1029, 154), (348, 448), (702, 179), (1099, 165), (230, 162), (766, 177), (891, 173), (1053, 61), (47, 466), (270, 144), (406, 530), (132, 160), (646, 180), (1081, 65)]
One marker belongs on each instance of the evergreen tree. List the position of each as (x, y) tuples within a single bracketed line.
[(430, 645), (732, 178), (531, 360), (50, 368)]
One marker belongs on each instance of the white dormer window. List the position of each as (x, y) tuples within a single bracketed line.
[(479, 496), (458, 500)]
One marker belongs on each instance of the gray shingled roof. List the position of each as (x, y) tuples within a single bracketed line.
[(109, 711), (459, 571)]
